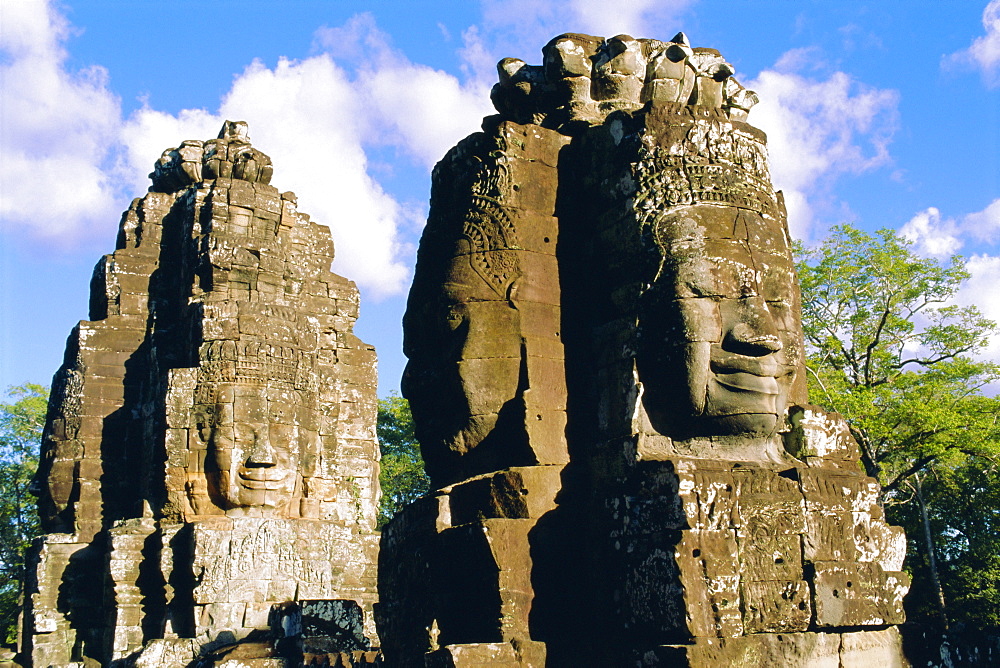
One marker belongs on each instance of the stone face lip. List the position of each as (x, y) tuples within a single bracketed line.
[(607, 381), (210, 446)]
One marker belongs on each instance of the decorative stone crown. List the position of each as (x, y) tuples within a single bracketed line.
[(585, 78), (257, 363), (230, 156)]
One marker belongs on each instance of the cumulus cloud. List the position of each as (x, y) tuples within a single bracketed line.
[(935, 235), (59, 127), (520, 28), (306, 116), (980, 290), (818, 130), (984, 225), (70, 160), (939, 236), (931, 234), (984, 52), (412, 106)]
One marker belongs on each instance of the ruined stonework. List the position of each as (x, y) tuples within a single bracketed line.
[(210, 447), (606, 376)]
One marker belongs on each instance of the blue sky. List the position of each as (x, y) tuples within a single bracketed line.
[(884, 114)]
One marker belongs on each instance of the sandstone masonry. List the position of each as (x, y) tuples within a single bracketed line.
[(606, 376), (210, 447)]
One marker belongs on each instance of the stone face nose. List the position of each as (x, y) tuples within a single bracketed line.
[(753, 331), (261, 454)]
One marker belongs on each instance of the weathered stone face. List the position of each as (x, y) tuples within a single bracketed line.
[(472, 357), (718, 327), (610, 252), (211, 448), (482, 326), (254, 460)]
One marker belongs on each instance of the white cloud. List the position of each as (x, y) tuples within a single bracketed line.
[(931, 234), (428, 110), (308, 118), (980, 290), (984, 225), (984, 52), (818, 130), (937, 236), (417, 108), (479, 62), (148, 132), (69, 161), (58, 130)]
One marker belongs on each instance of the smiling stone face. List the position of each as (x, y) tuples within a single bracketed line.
[(253, 461), (720, 335)]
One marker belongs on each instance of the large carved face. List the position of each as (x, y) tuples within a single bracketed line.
[(463, 340), (720, 330), (254, 454)]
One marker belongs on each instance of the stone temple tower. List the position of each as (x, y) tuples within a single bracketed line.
[(607, 381), (209, 462)]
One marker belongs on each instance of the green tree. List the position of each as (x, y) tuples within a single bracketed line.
[(887, 348), (402, 477), (963, 512), (21, 424)]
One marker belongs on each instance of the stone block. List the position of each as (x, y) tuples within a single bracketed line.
[(771, 557), (546, 431), (883, 648), (518, 493), (776, 606), (858, 594), (473, 655), (761, 514), (709, 498), (816, 650)]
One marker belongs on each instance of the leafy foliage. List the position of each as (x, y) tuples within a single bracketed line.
[(402, 477), (21, 424), (886, 348), (964, 512)]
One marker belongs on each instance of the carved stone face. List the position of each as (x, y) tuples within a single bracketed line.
[(720, 332), (253, 460), (464, 348)]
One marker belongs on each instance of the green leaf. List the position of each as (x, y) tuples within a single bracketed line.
[(402, 477), (21, 425)]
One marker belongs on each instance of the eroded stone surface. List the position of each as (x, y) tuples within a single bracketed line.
[(210, 448), (606, 373), (485, 376)]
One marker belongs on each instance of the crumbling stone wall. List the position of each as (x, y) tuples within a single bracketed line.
[(210, 447), (607, 381)]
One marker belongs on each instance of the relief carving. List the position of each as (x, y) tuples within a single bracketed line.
[(215, 419), (611, 251)]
